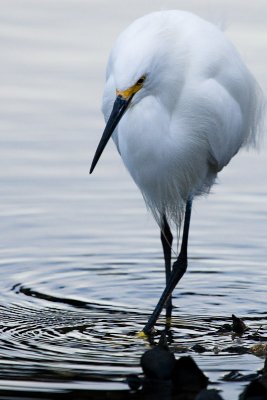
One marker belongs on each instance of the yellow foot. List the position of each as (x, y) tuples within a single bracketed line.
[(141, 335), (168, 321)]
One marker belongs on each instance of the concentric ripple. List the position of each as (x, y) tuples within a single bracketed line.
[(67, 340)]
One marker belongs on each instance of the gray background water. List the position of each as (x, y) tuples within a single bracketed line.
[(66, 236)]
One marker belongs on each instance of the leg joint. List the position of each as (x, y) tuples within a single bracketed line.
[(180, 265)]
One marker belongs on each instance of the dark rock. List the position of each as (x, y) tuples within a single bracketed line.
[(134, 382), (254, 391), (263, 381), (210, 394), (159, 362), (188, 376), (198, 348), (239, 326), (235, 376), (157, 389), (225, 328), (237, 349)]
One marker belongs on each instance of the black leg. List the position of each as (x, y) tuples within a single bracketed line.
[(166, 240), (179, 268)]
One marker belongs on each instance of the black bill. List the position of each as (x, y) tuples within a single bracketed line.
[(119, 108)]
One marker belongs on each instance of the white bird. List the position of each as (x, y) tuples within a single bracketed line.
[(179, 103)]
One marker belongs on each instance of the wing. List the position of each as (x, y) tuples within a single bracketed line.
[(225, 114)]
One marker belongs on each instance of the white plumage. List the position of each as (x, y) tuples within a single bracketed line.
[(180, 103), (198, 106)]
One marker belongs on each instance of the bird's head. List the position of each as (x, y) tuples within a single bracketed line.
[(122, 101), (135, 68)]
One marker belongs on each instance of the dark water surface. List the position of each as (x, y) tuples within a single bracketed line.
[(81, 262)]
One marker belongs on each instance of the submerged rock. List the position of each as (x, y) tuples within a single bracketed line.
[(239, 326), (134, 382), (198, 348), (237, 349), (257, 389), (158, 363), (168, 378), (187, 376), (211, 394), (259, 349), (236, 376)]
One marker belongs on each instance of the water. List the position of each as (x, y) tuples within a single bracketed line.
[(81, 262)]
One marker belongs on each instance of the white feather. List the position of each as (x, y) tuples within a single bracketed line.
[(198, 106)]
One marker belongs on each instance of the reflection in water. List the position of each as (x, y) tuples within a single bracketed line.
[(77, 345), (81, 262)]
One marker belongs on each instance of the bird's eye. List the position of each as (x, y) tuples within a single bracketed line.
[(141, 81)]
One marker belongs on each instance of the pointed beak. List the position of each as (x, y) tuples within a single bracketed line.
[(119, 108)]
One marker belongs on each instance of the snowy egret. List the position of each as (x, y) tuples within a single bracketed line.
[(179, 103)]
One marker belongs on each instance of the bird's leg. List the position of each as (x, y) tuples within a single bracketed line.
[(166, 240), (179, 268)]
